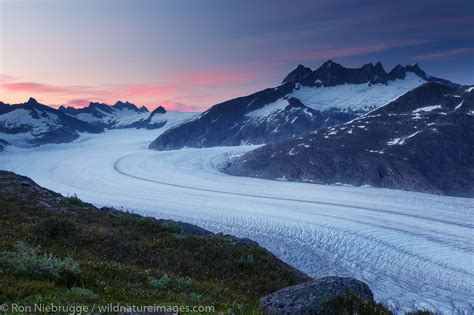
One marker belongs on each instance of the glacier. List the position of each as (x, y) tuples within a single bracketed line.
[(414, 250)]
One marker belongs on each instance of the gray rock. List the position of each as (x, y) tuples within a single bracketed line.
[(309, 297)]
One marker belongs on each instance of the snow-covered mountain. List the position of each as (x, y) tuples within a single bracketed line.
[(422, 141), (159, 118), (105, 116), (305, 101), (32, 123), (126, 115)]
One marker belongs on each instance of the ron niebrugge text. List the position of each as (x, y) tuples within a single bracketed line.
[(106, 308)]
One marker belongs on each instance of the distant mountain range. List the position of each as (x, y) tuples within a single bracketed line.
[(105, 116), (422, 141), (305, 101), (31, 123), (126, 115)]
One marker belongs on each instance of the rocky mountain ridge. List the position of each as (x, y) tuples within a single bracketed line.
[(305, 101), (422, 141)]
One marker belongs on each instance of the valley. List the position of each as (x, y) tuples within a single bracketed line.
[(409, 247)]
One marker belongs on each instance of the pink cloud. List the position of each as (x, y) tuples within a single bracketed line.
[(173, 105), (179, 90), (339, 52), (335, 52), (31, 87), (446, 54), (78, 102), (145, 89), (230, 76), (6, 78), (40, 88)]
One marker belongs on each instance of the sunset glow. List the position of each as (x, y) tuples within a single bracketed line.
[(192, 55)]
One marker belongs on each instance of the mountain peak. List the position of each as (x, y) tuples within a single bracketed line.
[(415, 68), (125, 105), (328, 63), (159, 110), (399, 71), (331, 73), (32, 101), (300, 66), (330, 66), (296, 74), (97, 104)]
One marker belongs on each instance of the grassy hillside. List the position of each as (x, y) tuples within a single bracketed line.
[(61, 250)]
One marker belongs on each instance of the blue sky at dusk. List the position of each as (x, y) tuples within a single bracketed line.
[(189, 55)]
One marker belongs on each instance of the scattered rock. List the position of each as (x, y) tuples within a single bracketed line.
[(188, 228), (310, 297)]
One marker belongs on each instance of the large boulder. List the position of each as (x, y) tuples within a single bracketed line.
[(310, 297)]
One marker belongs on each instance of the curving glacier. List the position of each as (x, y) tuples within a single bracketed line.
[(414, 250)]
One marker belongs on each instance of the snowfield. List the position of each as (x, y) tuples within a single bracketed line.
[(414, 250), (356, 96)]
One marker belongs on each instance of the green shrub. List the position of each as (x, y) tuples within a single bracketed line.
[(161, 283), (83, 293), (182, 282), (246, 260), (54, 229), (180, 237), (146, 221), (73, 201), (45, 299), (172, 227), (192, 297), (28, 260)]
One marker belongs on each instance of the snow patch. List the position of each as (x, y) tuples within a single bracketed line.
[(426, 108), (268, 109), (400, 141)]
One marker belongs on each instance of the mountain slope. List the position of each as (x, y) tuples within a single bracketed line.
[(306, 100), (32, 123), (422, 141)]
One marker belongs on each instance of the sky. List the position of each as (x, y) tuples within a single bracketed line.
[(189, 55)]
